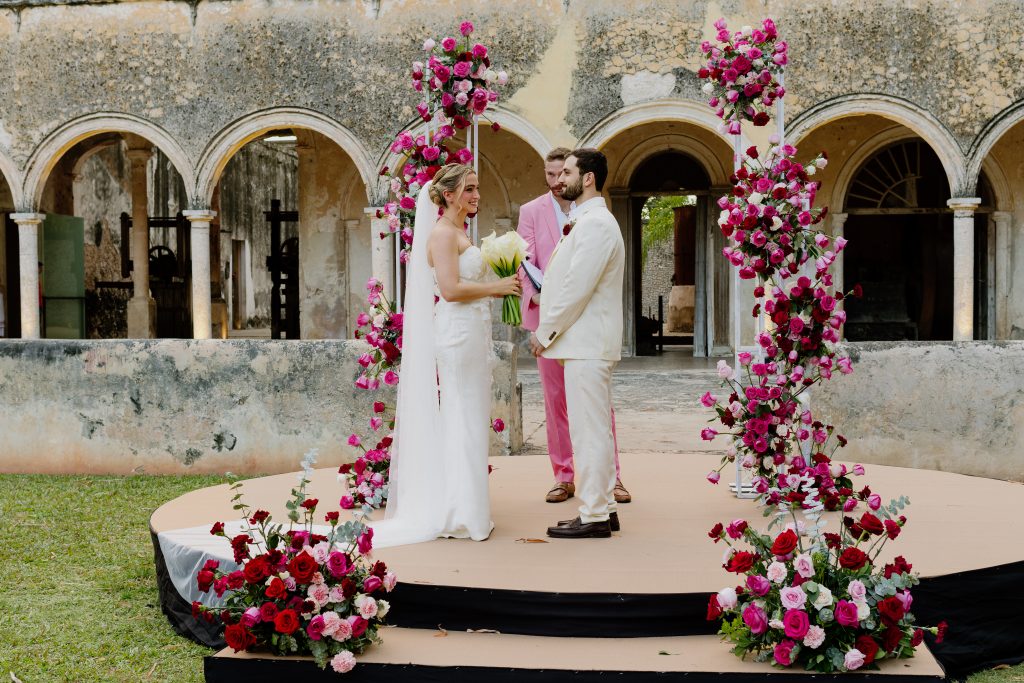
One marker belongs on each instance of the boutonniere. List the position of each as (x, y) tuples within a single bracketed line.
[(567, 228)]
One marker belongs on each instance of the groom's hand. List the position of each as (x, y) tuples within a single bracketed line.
[(535, 348)]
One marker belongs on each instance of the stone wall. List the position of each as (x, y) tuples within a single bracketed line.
[(657, 278), (954, 406), (183, 406)]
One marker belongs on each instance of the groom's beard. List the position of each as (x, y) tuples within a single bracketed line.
[(572, 192)]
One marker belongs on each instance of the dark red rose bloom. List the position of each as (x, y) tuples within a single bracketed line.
[(345, 469), (785, 543), (871, 524), (714, 610), (307, 606), (276, 589), (716, 532), (853, 559), (331, 517), (286, 622), (348, 588), (236, 580), (761, 119), (268, 611), (317, 538), (386, 442), (378, 406), (217, 529), (391, 352), (310, 503), (240, 544), (196, 609), (867, 645), (916, 639), (205, 580), (943, 628), (256, 570), (379, 570), (898, 566), (302, 567), (753, 154), (891, 610), (259, 516), (238, 638), (495, 126), (858, 291), (892, 529), (740, 562), (891, 639)]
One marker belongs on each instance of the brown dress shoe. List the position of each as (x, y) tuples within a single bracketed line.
[(621, 494), (613, 521), (561, 492), (579, 529)]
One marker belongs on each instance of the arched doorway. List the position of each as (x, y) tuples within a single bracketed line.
[(900, 250)]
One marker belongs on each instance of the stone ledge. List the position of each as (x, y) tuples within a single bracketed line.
[(196, 406)]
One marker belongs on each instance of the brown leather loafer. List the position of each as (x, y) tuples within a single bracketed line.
[(578, 529), (561, 492), (621, 494), (613, 521)]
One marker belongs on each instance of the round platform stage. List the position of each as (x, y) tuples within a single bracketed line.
[(652, 579)]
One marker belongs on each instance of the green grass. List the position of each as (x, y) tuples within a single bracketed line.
[(78, 600)]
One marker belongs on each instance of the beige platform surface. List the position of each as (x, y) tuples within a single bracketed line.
[(690, 653), (957, 523)]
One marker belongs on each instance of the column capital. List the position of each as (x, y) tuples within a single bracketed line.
[(839, 218), (1002, 216), (964, 203), (28, 218), (139, 155), (200, 216)]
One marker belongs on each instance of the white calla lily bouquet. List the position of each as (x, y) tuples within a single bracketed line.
[(504, 255)]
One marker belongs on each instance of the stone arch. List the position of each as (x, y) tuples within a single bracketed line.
[(49, 152), (680, 142), (918, 120), (246, 129), (991, 134), (13, 177), (684, 111)]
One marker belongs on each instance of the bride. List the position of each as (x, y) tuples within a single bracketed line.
[(438, 481)]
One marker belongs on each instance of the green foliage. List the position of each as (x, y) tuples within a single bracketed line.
[(658, 221)]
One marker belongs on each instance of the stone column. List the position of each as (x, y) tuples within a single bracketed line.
[(963, 266), (142, 306), (838, 230), (382, 256), (619, 206), (1003, 221), (201, 290), (28, 260)]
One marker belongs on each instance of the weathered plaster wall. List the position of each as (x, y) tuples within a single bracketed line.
[(949, 406), (173, 406)]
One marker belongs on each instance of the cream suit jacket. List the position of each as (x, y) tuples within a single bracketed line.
[(581, 302)]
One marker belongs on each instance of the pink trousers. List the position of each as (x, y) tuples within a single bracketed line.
[(552, 379)]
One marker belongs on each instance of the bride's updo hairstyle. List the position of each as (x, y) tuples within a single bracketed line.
[(450, 178)]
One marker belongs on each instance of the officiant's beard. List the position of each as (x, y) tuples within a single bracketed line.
[(572, 192)]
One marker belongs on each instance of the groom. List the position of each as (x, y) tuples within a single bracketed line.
[(581, 326)]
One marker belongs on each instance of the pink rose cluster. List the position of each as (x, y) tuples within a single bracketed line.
[(294, 591), (366, 479), (819, 602), (381, 329), (742, 73)]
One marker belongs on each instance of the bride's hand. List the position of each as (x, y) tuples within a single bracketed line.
[(507, 286)]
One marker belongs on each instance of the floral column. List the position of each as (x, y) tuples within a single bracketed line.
[(838, 230), (963, 266), (382, 257), (28, 260), (201, 290)]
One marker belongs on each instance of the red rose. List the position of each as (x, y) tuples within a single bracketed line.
[(310, 503), (871, 524), (240, 544), (853, 559), (867, 645), (941, 635), (892, 529), (716, 532), (916, 639), (259, 516), (714, 610), (205, 580), (761, 119), (348, 588), (359, 626), (256, 570), (217, 529), (740, 562), (286, 622), (238, 637), (236, 580), (891, 639), (276, 590), (891, 610), (785, 543), (302, 567), (331, 517), (898, 566), (268, 611)]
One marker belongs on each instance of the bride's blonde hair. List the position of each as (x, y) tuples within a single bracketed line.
[(450, 178)]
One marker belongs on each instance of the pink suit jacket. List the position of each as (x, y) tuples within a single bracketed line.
[(539, 227)]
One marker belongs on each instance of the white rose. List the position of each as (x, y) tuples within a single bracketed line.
[(708, 88), (746, 30), (727, 598), (810, 170), (776, 572), (383, 606), (823, 599), (755, 198), (863, 611)]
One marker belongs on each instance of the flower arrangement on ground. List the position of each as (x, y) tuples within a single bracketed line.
[(819, 601), (297, 588), (504, 255), (366, 479), (742, 73)]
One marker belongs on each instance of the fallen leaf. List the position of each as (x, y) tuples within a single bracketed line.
[(1000, 667), (530, 540), (481, 630), (151, 670), (14, 679), (441, 632), (663, 652)]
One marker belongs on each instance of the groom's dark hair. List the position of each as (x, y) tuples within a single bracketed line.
[(589, 160)]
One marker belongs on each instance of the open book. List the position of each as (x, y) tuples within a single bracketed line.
[(533, 272)]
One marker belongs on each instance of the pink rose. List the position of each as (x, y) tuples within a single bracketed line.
[(846, 613), (744, 358), (338, 563), (372, 583), (251, 617), (498, 425), (758, 585), (796, 623), (448, 44), (479, 51), (465, 28), (784, 652), (343, 662), (707, 400), (714, 476), (804, 565), (354, 440), (391, 378), (793, 597), (358, 625), (462, 69), (464, 156), (315, 629), (431, 153), (854, 659), (708, 434), (857, 590), (428, 44), (365, 542), (347, 502), (755, 619), (447, 100), (390, 581)]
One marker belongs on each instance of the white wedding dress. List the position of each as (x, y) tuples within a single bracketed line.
[(438, 487)]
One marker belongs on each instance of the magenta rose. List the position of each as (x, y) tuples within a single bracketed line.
[(758, 585), (796, 624), (784, 652), (462, 69), (756, 620), (448, 44), (365, 541), (358, 625), (371, 584), (846, 613), (338, 564), (316, 627)]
